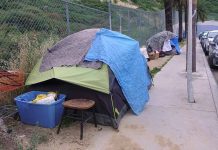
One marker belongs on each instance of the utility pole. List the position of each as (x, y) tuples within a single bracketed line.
[(189, 57), (186, 31)]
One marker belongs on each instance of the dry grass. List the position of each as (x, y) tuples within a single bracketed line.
[(30, 50), (8, 97), (31, 47)]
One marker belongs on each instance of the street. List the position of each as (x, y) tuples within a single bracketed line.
[(215, 73)]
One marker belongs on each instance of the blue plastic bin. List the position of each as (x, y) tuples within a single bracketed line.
[(43, 115)]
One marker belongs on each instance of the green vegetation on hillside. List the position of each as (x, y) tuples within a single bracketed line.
[(212, 5), (148, 4), (26, 26), (212, 9), (101, 5)]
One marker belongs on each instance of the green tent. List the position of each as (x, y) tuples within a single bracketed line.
[(78, 82), (85, 77)]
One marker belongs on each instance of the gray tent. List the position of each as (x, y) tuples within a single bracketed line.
[(156, 41), (71, 51)]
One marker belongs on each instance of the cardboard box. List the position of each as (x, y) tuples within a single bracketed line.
[(153, 55)]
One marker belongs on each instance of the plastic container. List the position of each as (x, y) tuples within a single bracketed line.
[(43, 115)]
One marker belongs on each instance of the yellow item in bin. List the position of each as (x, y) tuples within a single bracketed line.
[(39, 97), (45, 98)]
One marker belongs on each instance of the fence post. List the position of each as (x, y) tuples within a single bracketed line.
[(67, 16), (109, 9), (148, 16), (140, 32), (160, 26), (128, 23), (120, 23), (155, 23)]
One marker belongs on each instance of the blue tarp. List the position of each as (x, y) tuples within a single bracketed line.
[(175, 42), (122, 54)]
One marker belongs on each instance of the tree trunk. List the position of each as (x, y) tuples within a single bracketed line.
[(186, 19), (186, 30), (168, 14), (180, 21), (194, 21)]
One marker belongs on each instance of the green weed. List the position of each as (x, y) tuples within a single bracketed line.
[(36, 139), (1, 145), (155, 71)]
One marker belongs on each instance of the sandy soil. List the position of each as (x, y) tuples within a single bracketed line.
[(27, 137), (158, 62), (69, 138)]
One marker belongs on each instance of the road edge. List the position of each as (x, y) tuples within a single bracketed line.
[(212, 83)]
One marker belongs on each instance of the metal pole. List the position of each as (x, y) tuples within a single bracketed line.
[(120, 24), (128, 23), (155, 23), (140, 28), (109, 9), (189, 65), (67, 17)]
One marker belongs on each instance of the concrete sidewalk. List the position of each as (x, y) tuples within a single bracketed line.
[(169, 122)]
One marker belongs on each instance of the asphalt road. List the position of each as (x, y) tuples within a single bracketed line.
[(207, 26), (215, 73)]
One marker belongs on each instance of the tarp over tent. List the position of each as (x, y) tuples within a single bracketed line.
[(120, 54), (175, 42), (156, 42), (129, 66), (71, 51)]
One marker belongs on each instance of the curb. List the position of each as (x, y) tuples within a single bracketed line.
[(212, 82)]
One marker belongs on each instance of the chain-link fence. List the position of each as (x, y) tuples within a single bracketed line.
[(80, 17), (175, 17), (136, 23), (29, 27)]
